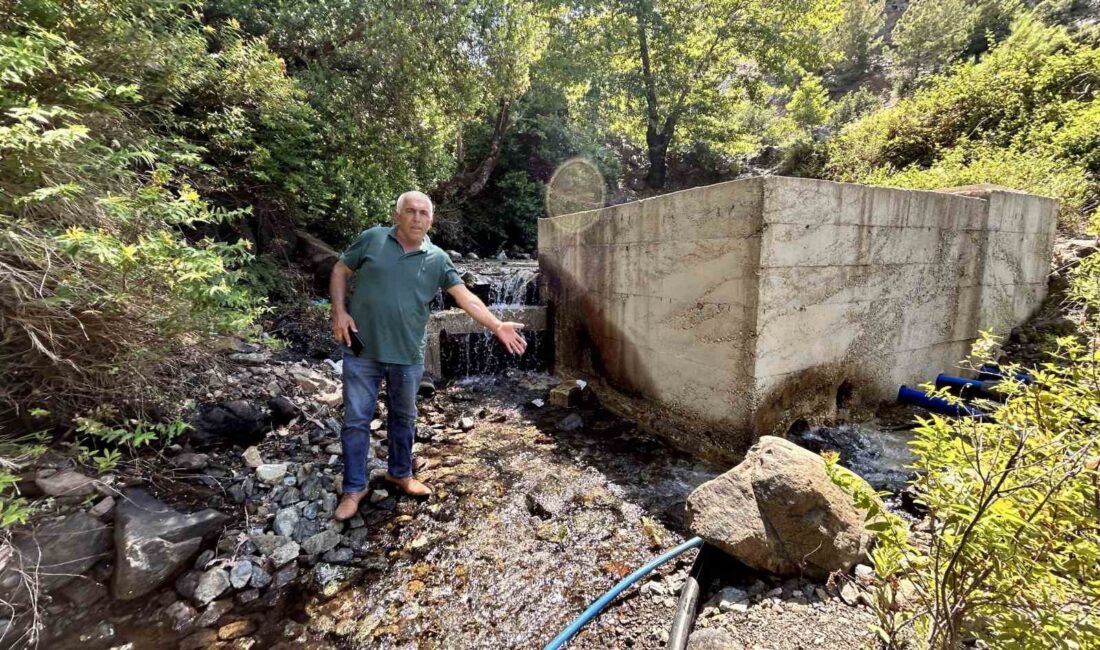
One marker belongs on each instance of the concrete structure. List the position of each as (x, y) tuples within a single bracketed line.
[(719, 314), (456, 321)]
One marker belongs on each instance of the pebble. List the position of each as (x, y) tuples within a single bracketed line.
[(260, 578), (252, 457), (214, 612), (286, 521), (271, 474), (285, 553), (240, 574), (212, 584), (321, 542), (236, 629)]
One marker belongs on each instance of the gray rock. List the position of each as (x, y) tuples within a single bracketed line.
[(328, 503), (310, 511), (214, 612), (711, 638), (102, 509), (341, 555), (252, 457), (180, 616), (66, 483), (864, 571), (321, 542), (271, 473), (240, 574), (248, 596), (153, 542), (466, 423), (83, 591), (55, 552), (285, 553), (204, 558), (267, 544), (290, 497), (286, 520), (285, 576), (571, 422), (190, 461), (329, 579), (213, 583), (778, 511), (187, 582), (378, 496), (260, 578)]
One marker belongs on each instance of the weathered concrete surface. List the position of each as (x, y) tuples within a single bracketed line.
[(719, 314)]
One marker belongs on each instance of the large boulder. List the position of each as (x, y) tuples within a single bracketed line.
[(52, 554), (153, 542), (779, 512)]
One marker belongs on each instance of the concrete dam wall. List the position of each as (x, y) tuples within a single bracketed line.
[(719, 314)]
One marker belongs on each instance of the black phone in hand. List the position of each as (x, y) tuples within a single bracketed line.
[(356, 343)]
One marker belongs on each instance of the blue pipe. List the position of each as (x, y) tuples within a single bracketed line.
[(593, 609), (966, 386), (919, 398), (993, 371)]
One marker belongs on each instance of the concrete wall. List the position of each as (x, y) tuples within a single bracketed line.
[(719, 314)]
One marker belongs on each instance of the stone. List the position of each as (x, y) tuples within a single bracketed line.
[(321, 542), (285, 553), (849, 594), (55, 552), (329, 579), (248, 596), (286, 520), (252, 458), (102, 509), (282, 411), (271, 474), (711, 638), (180, 616), (236, 629), (725, 599), (83, 591), (778, 511), (250, 358), (565, 395), (571, 422), (285, 576), (213, 583), (214, 612), (332, 399), (378, 496), (66, 483), (466, 423), (341, 555), (260, 578), (864, 571), (189, 461), (228, 423), (187, 582), (204, 558), (240, 574)]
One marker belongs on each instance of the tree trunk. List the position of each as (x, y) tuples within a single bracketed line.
[(658, 158)]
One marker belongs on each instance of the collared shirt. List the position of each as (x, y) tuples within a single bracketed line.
[(392, 292)]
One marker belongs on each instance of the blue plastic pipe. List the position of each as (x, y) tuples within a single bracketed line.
[(593, 609), (919, 398), (990, 371), (965, 386)]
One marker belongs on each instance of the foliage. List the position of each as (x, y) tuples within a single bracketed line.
[(856, 35), (103, 268), (1013, 502), (928, 36), (658, 71), (1024, 116)]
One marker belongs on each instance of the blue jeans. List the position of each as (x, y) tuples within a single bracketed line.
[(362, 379)]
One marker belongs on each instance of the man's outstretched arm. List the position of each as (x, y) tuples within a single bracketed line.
[(507, 332), (338, 291)]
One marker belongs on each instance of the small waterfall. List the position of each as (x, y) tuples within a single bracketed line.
[(514, 289), (464, 355)]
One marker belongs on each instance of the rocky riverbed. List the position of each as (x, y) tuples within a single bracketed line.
[(538, 510)]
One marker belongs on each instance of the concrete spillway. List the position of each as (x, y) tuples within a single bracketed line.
[(719, 314)]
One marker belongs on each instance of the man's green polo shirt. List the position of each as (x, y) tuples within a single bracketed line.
[(392, 292)]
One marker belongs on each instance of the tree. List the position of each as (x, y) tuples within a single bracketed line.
[(928, 36), (857, 35), (656, 69)]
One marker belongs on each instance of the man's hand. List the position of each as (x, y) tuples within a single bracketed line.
[(342, 327), (509, 335)]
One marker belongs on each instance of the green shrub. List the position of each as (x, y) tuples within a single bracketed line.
[(1030, 102)]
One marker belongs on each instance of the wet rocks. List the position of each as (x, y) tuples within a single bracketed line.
[(571, 422), (282, 410), (778, 511), (189, 461), (180, 616), (153, 542)]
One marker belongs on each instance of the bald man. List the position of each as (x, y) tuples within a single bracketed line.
[(398, 272)]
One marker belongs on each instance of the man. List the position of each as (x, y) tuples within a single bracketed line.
[(397, 274)]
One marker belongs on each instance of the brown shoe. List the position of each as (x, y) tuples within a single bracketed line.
[(410, 486), (349, 505)]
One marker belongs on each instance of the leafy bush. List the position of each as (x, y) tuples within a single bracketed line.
[(102, 269), (1011, 554), (1024, 116)]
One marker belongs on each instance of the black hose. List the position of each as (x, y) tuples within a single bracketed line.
[(686, 607)]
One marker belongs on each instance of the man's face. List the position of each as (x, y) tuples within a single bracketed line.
[(414, 218)]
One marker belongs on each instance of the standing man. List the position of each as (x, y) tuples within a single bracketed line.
[(397, 274)]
